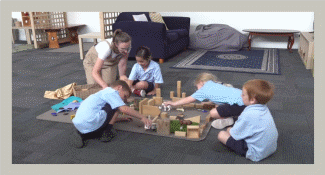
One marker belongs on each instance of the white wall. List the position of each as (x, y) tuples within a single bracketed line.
[(302, 21)]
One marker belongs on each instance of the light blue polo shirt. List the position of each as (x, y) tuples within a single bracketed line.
[(90, 115), (152, 74), (218, 93), (256, 126)]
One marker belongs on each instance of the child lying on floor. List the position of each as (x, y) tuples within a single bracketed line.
[(97, 114), (209, 89)]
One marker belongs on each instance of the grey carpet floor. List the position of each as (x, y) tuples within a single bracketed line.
[(45, 142)]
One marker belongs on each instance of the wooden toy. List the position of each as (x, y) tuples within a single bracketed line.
[(183, 94), (180, 133), (171, 94), (195, 119), (150, 110), (173, 117), (179, 89), (163, 126), (164, 115), (199, 106), (193, 132)]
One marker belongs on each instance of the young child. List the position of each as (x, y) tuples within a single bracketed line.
[(97, 114), (145, 75), (228, 99), (254, 134)]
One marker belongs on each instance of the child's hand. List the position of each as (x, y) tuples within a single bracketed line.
[(146, 122), (153, 92), (168, 103)]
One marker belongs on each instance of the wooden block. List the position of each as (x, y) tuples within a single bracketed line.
[(193, 132), (141, 103), (151, 102), (158, 92), (150, 110), (154, 120), (208, 119), (190, 105), (163, 126), (196, 119), (175, 99), (180, 133), (208, 106), (164, 115), (173, 117), (179, 90), (179, 84), (172, 94), (198, 106), (158, 100), (183, 94)]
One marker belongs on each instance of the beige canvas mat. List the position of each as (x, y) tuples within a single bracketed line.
[(136, 125)]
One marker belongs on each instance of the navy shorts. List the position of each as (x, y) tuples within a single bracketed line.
[(105, 127), (227, 110), (238, 146), (150, 88)]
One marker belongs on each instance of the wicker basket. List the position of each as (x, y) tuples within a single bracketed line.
[(83, 91)]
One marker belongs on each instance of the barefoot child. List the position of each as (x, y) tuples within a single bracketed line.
[(145, 75), (229, 99), (97, 114), (254, 134)]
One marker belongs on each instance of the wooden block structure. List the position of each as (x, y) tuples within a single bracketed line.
[(163, 126), (183, 94), (193, 132), (141, 103), (180, 133), (164, 115), (190, 105), (173, 117), (151, 102), (172, 94), (208, 118), (150, 110), (158, 99), (179, 89), (195, 119), (199, 106)]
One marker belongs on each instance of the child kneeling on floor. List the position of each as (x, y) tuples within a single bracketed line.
[(145, 76), (226, 98), (97, 114), (254, 135)]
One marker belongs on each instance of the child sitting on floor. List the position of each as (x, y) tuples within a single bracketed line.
[(254, 134), (145, 75), (228, 99), (97, 114)]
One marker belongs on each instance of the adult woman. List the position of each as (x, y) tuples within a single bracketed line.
[(104, 59)]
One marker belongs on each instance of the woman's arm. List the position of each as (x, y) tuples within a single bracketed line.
[(122, 66), (96, 73)]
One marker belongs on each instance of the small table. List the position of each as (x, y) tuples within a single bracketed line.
[(27, 33), (272, 32), (54, 40), (93, 35)]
